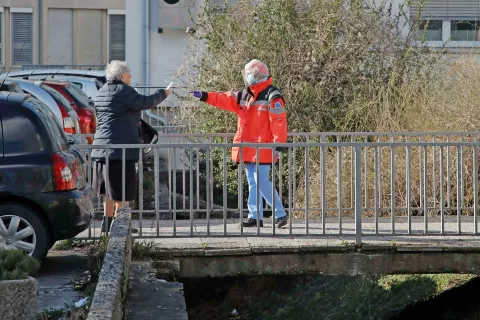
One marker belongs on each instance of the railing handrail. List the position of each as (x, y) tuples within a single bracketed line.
[(315, 134), (277, 145), (324, 134)]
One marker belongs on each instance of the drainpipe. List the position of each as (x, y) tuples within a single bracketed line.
[(146, 63), (40, 32)]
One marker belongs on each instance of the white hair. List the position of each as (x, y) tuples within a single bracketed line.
[(115, 68)]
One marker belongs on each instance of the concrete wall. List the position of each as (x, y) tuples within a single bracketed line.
[(167, 54), (166, 49)]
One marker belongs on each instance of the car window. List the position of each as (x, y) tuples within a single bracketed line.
[(78, 95), (78, 84), (58, 97), (48, 118), (11, 87), (21, 135), (98, 84)]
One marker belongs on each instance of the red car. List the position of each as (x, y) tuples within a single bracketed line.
[(80, 103), (69, 115)]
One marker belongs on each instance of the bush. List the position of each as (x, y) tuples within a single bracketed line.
[(341, 65), (16, 265)]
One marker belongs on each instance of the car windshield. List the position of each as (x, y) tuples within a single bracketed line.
[(58, 97), (49, 120), (78, 95)]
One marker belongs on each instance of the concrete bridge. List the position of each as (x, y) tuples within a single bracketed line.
[(359, 203), (287, 254)]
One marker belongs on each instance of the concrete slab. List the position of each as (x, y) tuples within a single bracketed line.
[(153, 299), (55, 280)]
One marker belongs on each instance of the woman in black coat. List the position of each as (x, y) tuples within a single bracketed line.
[(118, 107)]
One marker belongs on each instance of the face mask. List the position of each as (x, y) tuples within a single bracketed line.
[(249, 79)]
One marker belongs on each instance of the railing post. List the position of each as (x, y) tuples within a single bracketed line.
[(358, 195)]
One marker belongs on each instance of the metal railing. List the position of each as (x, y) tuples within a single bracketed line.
[(330, 184)]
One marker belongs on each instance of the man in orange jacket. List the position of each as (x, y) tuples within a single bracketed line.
[(261, 119)]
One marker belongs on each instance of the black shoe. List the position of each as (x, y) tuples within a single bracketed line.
[(280, 222), (110, 221), (252, 223)]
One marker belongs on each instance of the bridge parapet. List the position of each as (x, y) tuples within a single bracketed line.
[(358, 184)]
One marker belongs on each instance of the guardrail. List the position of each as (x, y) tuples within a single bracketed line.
[(390, 183)]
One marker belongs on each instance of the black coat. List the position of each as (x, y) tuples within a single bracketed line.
[(118, 108)]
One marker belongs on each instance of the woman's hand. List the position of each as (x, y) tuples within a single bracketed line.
[(168, 91)]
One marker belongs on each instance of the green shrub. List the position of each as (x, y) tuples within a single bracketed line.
[(341, 65), (16, 265)]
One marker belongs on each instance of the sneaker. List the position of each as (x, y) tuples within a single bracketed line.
[(252, 223), (280, 222)]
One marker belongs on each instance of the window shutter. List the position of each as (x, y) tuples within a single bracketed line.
[(463, 10), (116, 38), (22, 38), (1, 38), (447, 10), (432, 10)]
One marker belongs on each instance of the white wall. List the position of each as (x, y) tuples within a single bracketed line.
[(134, 40), (167, 54)]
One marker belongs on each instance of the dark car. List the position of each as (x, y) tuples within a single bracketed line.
[(43, 194)]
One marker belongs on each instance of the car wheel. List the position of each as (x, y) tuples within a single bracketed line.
[(21, 228)]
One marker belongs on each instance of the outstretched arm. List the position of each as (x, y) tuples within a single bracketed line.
[(229, 101), (136, 101)]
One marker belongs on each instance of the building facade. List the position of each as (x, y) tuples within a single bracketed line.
[(36, 33)]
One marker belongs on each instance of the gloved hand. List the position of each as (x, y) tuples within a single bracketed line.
[(196, 93)]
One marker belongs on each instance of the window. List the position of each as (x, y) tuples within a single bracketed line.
[(48, 118), (456, 22), (464, 30), (78, 84), (116, 37), (78, 95), (22, 38), (429, 30)]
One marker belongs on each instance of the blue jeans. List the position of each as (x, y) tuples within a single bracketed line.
[(265, 191)]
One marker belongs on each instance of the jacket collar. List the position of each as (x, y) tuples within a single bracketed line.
[(259, 87), (116, 81)]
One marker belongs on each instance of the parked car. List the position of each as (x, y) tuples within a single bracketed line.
[(66, 116), (60, 74), (65, 108), (88, 85), (80, 103), (43, 194)]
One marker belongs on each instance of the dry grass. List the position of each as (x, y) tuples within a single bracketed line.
[(343, 67)]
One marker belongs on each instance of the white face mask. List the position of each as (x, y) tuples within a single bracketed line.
[(249, 79)]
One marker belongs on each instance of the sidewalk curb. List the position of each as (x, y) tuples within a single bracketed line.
[(113, 282)]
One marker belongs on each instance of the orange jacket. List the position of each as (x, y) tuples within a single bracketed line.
[(261, 118)]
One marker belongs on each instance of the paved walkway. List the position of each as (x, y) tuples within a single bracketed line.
[(150, 298), (56, 280), (231, 227), (194, 236)]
